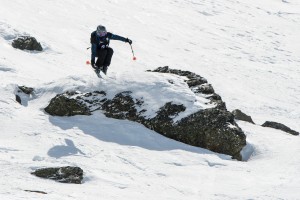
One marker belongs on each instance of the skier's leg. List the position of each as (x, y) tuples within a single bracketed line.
[(101, 57), (107, 61)]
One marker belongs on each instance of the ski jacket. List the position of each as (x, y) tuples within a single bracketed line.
[(102, 42)]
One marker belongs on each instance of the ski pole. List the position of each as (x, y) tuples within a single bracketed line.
[(134, 58)]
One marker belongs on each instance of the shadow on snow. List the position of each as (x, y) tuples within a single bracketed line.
[(122, 132)]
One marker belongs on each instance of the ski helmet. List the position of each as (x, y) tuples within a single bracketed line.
[(101, 30)]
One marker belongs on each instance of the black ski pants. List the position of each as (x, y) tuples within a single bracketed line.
[(104, 56)]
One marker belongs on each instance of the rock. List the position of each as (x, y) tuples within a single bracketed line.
[(27, 43), (168, 112), (36, 191), (61, 105), (24, 94), (122, 106), (196, 83), (18, 99), (213, 128), (26, 90), (205, 89), (239, 115), (61, 174), (280, 126)]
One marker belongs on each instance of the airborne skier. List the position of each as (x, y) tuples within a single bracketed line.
[(100, 48)]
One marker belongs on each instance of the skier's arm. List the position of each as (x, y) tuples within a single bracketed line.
[(117, 37)]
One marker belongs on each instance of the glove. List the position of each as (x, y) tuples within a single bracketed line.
[(128, 40)]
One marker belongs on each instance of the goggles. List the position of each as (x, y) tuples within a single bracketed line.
[(101, 33)]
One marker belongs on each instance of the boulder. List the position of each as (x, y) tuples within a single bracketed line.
[(61, 105), (280, 126), (239, 115), (24, 94), (26, 90), (18, 99), (212, 128), (27, 43), (61, 174)]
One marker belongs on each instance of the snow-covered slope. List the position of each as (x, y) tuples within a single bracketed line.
[(249, 51)]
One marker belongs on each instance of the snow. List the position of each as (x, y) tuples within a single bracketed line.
[(249, 52)]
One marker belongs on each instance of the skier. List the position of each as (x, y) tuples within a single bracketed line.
[(100, 48)]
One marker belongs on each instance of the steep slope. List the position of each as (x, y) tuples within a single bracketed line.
[(247, 50)]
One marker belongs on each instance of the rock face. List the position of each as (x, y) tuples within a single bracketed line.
[(27, 43), (61, 105), (61, 174), (280, 126), (212, 128), (239, 115)]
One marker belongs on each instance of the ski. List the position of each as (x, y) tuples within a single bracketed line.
[(97, 71)]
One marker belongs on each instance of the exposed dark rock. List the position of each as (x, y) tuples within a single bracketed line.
[(239, 115), (26, 90), (193, 79), (122, 106), (27, 43), (18, 99), (170, 81), (196, 83), (213, 129), (215, 97), (61, 105), (205, 89), (168, 112), (24, 94), (61, 174), (36, 191), (280, 126)]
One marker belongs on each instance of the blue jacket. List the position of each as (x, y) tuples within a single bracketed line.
[(102, 42)]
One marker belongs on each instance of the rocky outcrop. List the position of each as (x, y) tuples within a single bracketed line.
[(239, 115), (23, 94), (27, 43), (61, 174), (280, 126), (61, 105), (26, 90), (213, 128), (196, 83)]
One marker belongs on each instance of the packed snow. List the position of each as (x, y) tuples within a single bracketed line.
[(249, 52)]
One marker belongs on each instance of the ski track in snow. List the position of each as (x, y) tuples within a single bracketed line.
[(249, 52)]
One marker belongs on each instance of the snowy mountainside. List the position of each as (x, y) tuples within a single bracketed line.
[(249, 51)]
